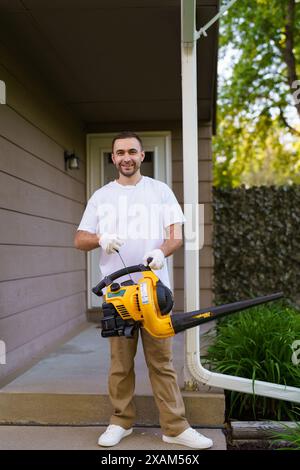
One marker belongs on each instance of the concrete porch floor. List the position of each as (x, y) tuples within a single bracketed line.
[(69, 387), (85, 438)]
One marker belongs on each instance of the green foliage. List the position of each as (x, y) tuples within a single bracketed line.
[(257, 344), (254, 143), (256, 242), (263, 155)]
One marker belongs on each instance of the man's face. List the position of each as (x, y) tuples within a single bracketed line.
[(127, 156)]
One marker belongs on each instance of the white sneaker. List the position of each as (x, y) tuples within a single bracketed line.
[(113, 435), (190, 438)]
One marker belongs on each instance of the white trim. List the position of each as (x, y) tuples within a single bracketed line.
[(88, 189), (230, 382), (169, 159), (155, 162), (102, 168), (168, 143)]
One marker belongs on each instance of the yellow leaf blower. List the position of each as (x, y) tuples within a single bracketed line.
[(148, 304)]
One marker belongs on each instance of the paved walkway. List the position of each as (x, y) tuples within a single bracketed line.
[(85, 438), (80, 367)]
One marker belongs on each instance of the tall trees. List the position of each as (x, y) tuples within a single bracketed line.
[(258, 139)]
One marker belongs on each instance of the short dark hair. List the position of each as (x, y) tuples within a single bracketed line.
[(127, 135)]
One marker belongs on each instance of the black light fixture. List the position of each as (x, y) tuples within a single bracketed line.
[(71, 161)]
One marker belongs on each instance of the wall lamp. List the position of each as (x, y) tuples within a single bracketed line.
[(71, 161)]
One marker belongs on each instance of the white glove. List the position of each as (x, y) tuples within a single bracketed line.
[(158, 259), (110, 242)]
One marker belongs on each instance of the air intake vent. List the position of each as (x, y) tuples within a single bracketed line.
[(123, 312)]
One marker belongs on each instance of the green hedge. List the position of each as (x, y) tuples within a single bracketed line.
[(257, 344), (256, 242)]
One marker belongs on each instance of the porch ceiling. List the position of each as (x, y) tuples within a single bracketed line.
[(111, 60)]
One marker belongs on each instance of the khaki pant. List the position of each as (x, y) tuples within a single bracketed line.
[(158, 355)]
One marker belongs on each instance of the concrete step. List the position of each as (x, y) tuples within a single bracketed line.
[(85, 438), (69, 387)]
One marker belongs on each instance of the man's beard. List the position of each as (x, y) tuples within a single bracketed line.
[(128, 172)]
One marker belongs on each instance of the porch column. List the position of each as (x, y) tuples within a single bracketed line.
[(190, 165)]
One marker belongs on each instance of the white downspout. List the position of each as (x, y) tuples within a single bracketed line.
[(189, 37)]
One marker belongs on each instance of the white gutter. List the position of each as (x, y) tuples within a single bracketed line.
[(189, 37)]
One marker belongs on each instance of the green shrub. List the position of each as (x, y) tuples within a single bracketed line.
[(291, 436), (257, 344), (256, 242)]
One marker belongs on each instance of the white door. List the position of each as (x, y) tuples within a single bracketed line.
[(100, 170)]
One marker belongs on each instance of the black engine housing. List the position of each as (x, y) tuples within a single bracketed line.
[(114, 325)]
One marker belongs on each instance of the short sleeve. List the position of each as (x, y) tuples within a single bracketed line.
[(89, 221), (172, 212)]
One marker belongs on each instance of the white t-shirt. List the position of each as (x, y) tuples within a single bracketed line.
[(139, 215)]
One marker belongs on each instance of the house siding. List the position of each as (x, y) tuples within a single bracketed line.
[(205, 197), (42, 276)]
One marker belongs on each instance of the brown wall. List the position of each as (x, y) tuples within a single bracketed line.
[(42, 277)]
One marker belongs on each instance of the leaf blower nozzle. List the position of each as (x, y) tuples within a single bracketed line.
[(148, 303)]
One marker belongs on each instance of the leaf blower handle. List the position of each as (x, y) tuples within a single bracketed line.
[(97, 290)]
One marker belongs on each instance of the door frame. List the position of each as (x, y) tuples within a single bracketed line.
[(89, 186)]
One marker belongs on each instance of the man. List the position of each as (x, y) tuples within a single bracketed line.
[(141, 218)]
